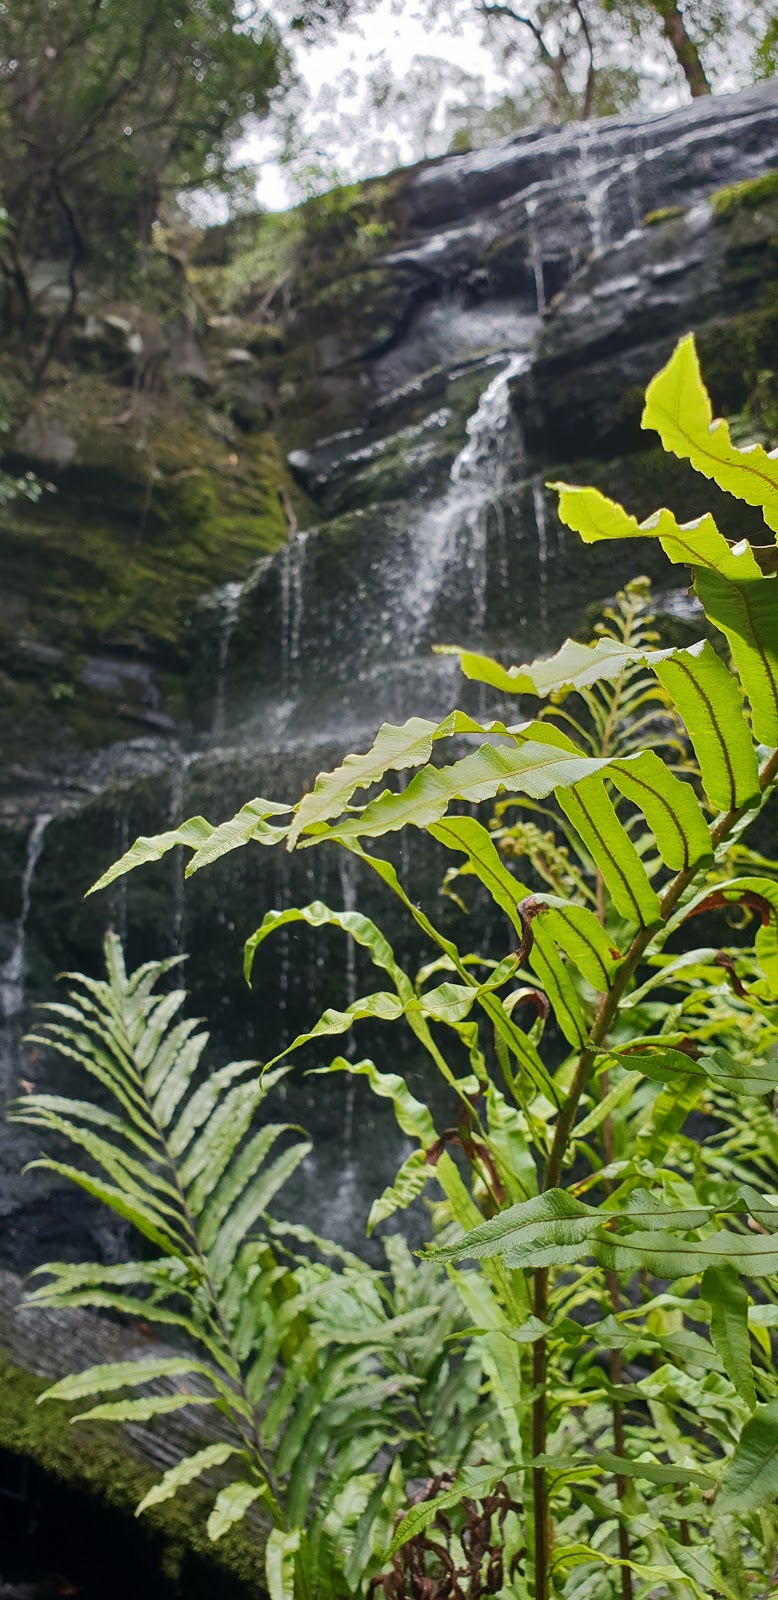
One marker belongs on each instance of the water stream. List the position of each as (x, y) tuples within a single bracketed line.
[(227, 600), (541, 528), (13, 973), (457, 523)]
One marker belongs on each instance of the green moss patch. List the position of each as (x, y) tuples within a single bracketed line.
[(748, 195), (96, 1460), (156, 509), (662, 214)]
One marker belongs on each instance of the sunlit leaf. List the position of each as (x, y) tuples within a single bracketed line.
[(678, 408)]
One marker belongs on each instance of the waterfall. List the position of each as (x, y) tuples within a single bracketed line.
[(541, 526), (331, 634), (284, 901), (349, 891), (631, 171), (482, 460), (286, 614), (228, 600), (339, 669), (121, 833), (479, 474), (14, 971), (176, 812), (594, 186), (292, 612), (314, 958), (536, 253)]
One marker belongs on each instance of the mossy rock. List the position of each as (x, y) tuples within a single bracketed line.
[(99, 1462), (162, 502), (662, 214), (750, 195)]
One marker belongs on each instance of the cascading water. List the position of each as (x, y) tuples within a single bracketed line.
[(478, 477), (13, 973), (541, 526), (454, 531), (283, 899), (177, 809), (121, 833), (227, 600), (536, 252), (292, 611), (341, 669)]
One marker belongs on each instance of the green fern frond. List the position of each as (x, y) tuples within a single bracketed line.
[(310, 1356)]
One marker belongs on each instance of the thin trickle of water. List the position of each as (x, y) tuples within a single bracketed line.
[(286, 610), (310, 965), (284, 901), (228, 600), (297, 607), (177, 811), (536, 253), (403, 779), (594, 188), (13, 973), (597, 209), (348, 889), (121, 831), (483, 456), (541, 527), (292, 612), (631, 169)]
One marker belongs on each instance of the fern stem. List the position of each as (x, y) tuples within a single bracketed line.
[(617, 1412), (249, 1434), (541, 1519), (616, 1372)]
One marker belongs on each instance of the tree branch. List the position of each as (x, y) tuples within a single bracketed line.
[(591, 73), (683, 46), (498, 9)]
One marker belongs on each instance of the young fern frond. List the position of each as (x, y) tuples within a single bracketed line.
[(176, 1159), (317, 1369)]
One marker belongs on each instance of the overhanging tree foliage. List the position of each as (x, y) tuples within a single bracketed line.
[(618, 1272), (107, 108)]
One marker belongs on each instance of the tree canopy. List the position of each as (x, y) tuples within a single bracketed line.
[(553, 61), (106, 108)]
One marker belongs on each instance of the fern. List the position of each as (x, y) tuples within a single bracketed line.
[(615, 716), (176, 1159), (314, 1363), (615, 1273)]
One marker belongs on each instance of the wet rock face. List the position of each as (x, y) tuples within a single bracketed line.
[(633, 163), (501, 338), (704, 268)]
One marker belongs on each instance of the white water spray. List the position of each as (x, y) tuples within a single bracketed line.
[(228, 599)]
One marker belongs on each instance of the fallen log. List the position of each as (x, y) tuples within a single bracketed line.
[(115, 1464)]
